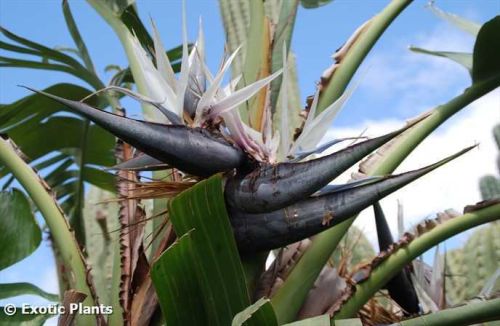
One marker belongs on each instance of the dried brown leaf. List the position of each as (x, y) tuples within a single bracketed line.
[(327, 289), (481, 205), (70, 297), (272, 279)]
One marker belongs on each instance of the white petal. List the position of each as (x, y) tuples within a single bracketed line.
[(157, 88), (240, 96), (162, 60), (239, 134), (209, 95), (231, 86), (171, 116), (316, 129), (184, 75)]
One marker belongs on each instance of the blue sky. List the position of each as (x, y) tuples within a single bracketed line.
[(394, 83), (43, 21)]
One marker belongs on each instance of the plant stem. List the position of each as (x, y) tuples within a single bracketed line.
[(54, 217), (395, 262), (358, 52), (289, 298), (472, 313)]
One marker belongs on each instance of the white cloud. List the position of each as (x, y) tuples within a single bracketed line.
[(418, 80), (451, 186)]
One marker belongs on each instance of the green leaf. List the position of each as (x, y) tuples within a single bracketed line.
[(61, 234), (43, 51), (209, 253), (462, 58), (131, 19), (459, 22), (473, 313), (264, 306), (77, 38), (61, 134), (99, 178), (119, 6), (349, 322), (174, 278), (64, 62), (9, 290), (323, 320), (38, 107), (19, 319), (311, 4), (30, 122), (486, 63), (20, 234), (18, 63)]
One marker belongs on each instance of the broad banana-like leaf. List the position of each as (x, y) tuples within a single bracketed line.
[(19, 319), (9, 290), (174, 278), (323, 320), (83, 53), (201, 271), (462, 58), (487, 51), (263, 306), (20, 234)]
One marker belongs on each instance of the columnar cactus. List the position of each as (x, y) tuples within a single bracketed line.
[(489, 185), (470, 267)]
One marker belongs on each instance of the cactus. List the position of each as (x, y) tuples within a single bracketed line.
[(472, 265), (489, 185), (496, 135)]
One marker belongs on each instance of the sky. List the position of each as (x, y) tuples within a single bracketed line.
[(394, 85)]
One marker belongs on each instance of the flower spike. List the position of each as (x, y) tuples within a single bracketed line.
[(276, 186), (194, 151), (259, 232)]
